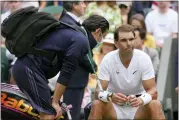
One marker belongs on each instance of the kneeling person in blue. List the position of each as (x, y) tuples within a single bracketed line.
[(31, 72)]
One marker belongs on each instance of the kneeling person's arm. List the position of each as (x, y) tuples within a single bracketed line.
[(78, 48)]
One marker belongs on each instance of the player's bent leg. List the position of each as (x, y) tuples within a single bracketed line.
[(153, 110), (142, 113), (101, 110), (44, 116), (96, 110)]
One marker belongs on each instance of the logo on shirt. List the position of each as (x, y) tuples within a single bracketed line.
[(135, 71), (117, 72)]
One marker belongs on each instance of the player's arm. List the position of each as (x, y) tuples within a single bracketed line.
[(150, 87), (148, 82), (149, 26)]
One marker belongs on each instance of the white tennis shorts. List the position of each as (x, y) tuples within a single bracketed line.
[(125, 112)]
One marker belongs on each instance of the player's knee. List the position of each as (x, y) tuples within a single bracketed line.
[(97, 104), (46, 116), (155, 105)]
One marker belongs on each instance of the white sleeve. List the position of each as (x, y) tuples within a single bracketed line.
[(104, 70), (148, 22), (9, 55), (147, 69)]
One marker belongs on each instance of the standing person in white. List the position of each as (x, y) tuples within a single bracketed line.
[(128, 78), (162, 22)]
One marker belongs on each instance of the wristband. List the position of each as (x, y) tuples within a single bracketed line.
[(146, 97), (105, 96)]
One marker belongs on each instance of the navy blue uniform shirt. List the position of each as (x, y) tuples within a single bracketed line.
[(70, 44), (81, 75)]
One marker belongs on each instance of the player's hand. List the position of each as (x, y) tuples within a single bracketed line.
[(119, 98), (58, 109), (134, 101)]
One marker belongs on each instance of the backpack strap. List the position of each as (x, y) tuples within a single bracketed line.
[(57, 24), (50, 54), (35, 51)]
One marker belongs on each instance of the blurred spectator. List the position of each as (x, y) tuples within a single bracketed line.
[(4, 65), (44, 4), (60, 3), (137, 20), (139, 44), (4, 7), (154, 5), (174, 5), (147, 5), (162, 22), (124, 10), (113, 15), (141, 7), (56, 11), (87, 2), (137, 7), (30, 3), (97, 7), (109, 10), (12, 6), (86, 98)]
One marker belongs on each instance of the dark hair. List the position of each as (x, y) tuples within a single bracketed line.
[(142, 33), (67, 5), (123, 28), (94, 22), (123, 6), (140, 18)]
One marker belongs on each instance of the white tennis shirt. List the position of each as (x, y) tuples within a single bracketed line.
[(126, 80)]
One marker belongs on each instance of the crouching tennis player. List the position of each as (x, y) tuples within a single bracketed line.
[(128, 77)]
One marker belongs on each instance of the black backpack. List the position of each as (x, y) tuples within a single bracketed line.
[(25, 28)]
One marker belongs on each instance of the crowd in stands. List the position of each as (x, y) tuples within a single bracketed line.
[(154, 23)]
